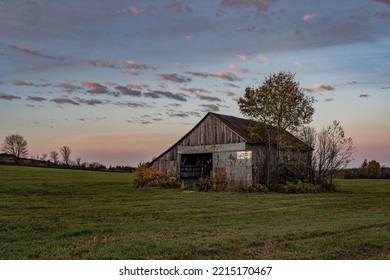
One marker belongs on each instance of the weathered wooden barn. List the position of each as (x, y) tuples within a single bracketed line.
[(221, 144)]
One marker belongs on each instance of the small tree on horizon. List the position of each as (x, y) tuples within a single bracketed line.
[(65, 152), (54, 157), (15, 145)]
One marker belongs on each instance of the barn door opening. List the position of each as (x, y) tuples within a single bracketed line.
[(194, 166)]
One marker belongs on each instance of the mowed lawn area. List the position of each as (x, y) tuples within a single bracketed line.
[(72, 214)]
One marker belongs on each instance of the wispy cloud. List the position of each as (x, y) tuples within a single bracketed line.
[(209, 108), (221, 75), (387, 2), (103, 63), (260, 5), (130, 10), (350, 83), (156, 94), (95, 88), (238, 69), (133, 104), (208, 98), (227, 76), (137, 86), (30, 84), (91, 102), (308, 17), (36, 98), (69, 87), (133, 67), (33, 53), (8, 97), (242, 57), (175, 78), (321, 87), (128, 91), (262, 59), (192, 89), (179, 7), (64, 100)]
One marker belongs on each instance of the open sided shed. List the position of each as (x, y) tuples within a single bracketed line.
[(221, 144)]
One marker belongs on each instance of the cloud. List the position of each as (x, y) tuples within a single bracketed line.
[(8, 97), (34, 53), (321, 87), (349, 83), (364, 95), (227, 76), (95, 88), (262, 59), (232, 95), (64, 100), (201, 96), (192, 89), (156, 94), (137, 86), (221, 75), (251, 29), (387, 2), (102, 63), (30, 84), (242, 57), (23, 83), (199, 74), (209, 108), (69, 87), (36, 98), (133, 104), (133, 67), (128, 91), (238, 69), (91, 102), (179, 7), (308, 17), (208, 98), (260, 5), (130, 10), (231, 85), (174, 78), (182, 114)]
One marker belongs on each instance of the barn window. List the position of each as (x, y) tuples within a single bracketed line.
[(194, 166)]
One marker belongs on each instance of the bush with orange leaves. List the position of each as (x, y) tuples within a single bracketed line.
[(148, 177)]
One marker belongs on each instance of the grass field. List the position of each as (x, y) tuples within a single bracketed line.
[(71, 214)]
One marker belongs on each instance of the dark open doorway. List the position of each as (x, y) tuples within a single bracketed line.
[(194, 166)]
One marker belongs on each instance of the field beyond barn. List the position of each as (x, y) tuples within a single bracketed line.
[(72, 214)]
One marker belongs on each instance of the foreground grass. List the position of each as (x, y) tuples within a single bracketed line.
[(70, 214)]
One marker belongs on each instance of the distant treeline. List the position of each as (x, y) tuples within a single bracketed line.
[(8, 159), (368, 170)]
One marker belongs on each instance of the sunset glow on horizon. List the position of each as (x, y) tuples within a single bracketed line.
[(119, 82)]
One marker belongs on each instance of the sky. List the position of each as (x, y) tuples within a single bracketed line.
[(121, 81)]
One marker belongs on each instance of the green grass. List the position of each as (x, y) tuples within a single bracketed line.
[(71, 214)]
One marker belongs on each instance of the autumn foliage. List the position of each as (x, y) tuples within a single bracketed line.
[(146, 176)]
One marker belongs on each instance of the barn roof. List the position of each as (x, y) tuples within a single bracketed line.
[(240, 127)]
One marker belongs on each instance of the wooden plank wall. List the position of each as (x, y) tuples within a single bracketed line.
[(210, 131)]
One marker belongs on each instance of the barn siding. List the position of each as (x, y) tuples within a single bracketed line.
[(210, 131), (212, 135)]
